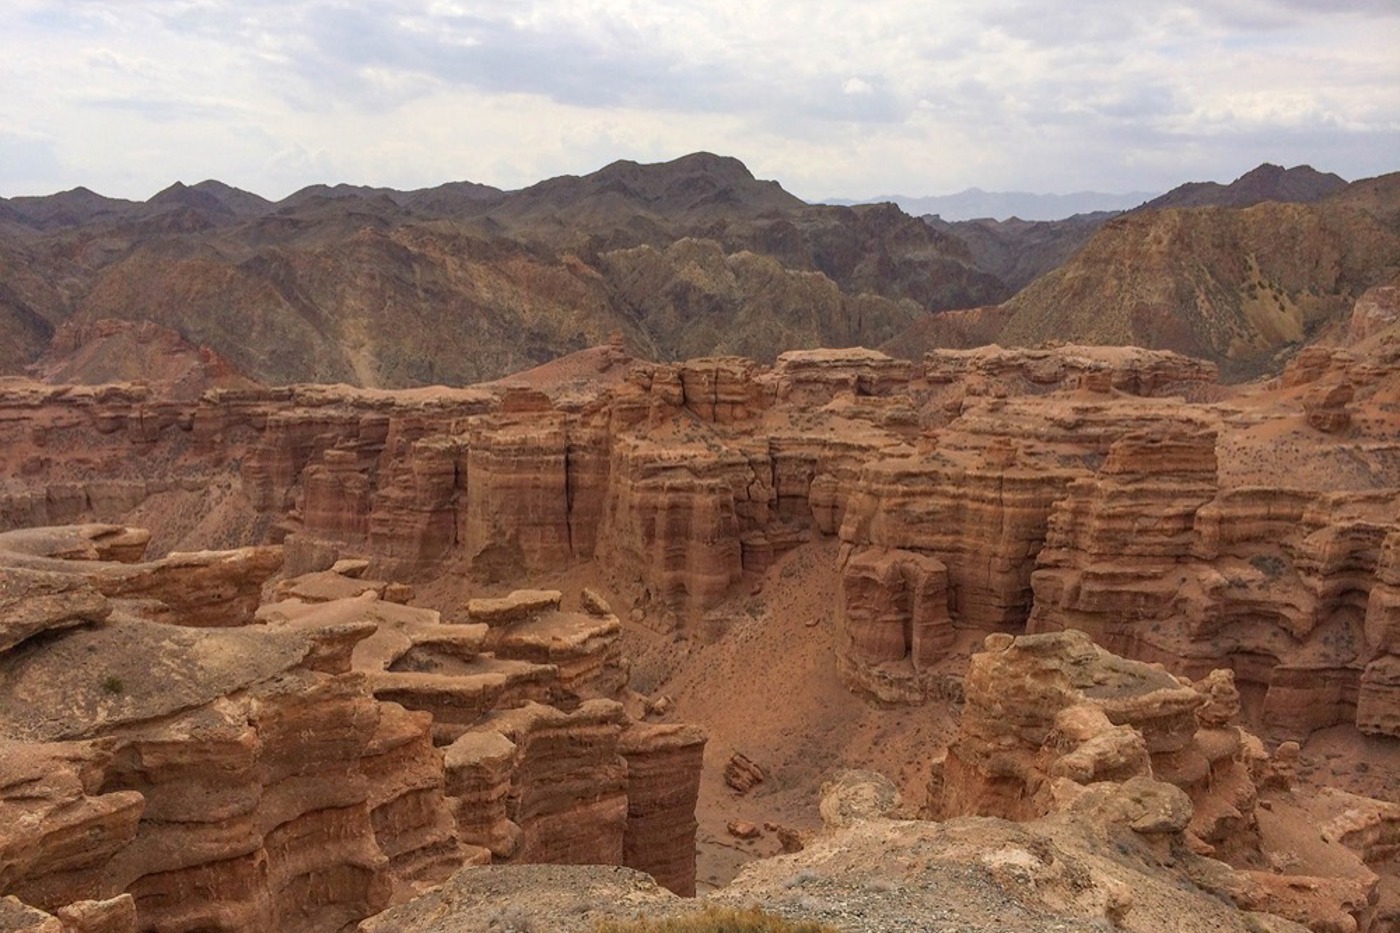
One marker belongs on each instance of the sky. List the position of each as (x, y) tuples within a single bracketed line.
[(850, 99)]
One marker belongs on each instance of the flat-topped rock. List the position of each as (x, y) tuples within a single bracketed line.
[(99, 678), (90, 542), (1132, 370), (552, 633), (517, 607), (460, 698), (33, 602), (326, 586)]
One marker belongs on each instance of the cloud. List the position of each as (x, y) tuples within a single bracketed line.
[(832, 98)]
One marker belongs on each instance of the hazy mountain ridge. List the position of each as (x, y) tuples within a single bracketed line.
[(1243, 287), (1020, 251), (462, 283), (976, 204)]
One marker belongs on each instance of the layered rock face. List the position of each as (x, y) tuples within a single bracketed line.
[(541, 763), (1055, 725), (221, 787), (1378, 695), (977, 492), (932, 544), (1273, 583), (257, 775), (1036, 371)]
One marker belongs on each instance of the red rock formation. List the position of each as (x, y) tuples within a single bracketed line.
[(814, 377), (1033, 371), (1155, 561), (1054, 724), (241, 762), (896, 621), (567, 783), (535, 784), (663, 784), (1378, 696), (982, 519), (114, 915), (1327, 407), (246, 778), (673, 518), (205, 589), (681, 479), (516, 510), (1045, 707)]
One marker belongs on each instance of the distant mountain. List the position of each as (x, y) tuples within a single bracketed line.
[(464, 282), (1243, 287), (213, 196), (1379, 196), (1020, 251), (1302, 184), (68, 208), (974, 204)]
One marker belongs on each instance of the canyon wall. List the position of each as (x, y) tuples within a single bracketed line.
[(1118, 491), (304, 763)]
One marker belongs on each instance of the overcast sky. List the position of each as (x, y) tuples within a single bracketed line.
[(853, 99)]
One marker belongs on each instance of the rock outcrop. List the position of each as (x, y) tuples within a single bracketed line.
[(871, 870), (257, 775), (1057, 727), (1024, 371), (983, 491), (1157, 561)]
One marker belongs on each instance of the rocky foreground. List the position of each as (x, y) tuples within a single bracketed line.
[(306, 732), (335, 753), (304, 765)]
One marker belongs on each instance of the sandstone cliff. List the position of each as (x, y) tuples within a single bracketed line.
[(1117, 491), (257, 774)]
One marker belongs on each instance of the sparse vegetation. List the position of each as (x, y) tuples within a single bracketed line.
[(113, 684), (716, 920)]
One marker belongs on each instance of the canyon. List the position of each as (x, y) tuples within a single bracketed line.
[(287, 657), (463, 559)]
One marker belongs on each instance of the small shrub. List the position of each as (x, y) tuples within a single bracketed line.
[(715, 920), (113, 684), (1269, 565)]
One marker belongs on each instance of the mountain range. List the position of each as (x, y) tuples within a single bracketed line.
[(974, 204), (465, 282)]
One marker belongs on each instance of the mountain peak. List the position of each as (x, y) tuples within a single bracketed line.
[(1266, 182)]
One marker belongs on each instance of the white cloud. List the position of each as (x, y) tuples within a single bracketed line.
[(829, 97)]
